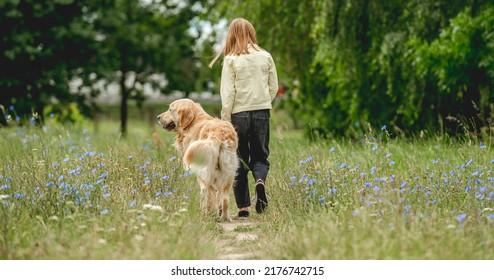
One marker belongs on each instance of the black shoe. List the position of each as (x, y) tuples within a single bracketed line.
[(243, 214), (262, 200)]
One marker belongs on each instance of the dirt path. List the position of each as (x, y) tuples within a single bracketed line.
[(238, 240)]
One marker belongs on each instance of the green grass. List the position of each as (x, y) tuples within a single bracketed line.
[(69, 192)]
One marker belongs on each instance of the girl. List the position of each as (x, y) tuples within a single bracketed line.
[(248, 87)]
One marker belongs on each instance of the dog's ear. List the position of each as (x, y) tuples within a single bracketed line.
[(185, 116)]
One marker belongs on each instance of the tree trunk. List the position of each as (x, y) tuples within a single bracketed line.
[(123, 106)]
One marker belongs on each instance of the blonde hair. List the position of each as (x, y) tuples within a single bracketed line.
[(240, 34)]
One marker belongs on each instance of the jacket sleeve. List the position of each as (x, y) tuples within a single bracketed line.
[(273, 79), (227, 89)]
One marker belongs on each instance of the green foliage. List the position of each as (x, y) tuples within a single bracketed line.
[(137, 45), (43, 45), (411, 65), (64, 113), (460, 62)]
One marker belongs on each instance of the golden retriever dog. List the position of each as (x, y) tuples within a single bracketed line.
[(209, 148)]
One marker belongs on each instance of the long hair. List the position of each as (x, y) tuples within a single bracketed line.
[(240, 34)]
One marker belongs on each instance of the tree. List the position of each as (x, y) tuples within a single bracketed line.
[(143, 42), (356, 63), (43, 45)]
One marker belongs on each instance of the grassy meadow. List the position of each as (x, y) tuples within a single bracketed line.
[(70, 192)]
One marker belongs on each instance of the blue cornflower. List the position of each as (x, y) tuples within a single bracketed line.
[(383, 127), (50, 184), (55, 164), (483, 146), (103, 175), (132, 203), (11, 107), (165, 177), (373, 170), (374, 147), (460, 218), (321, 200), (407, 209), (332, 149), (106, 195), (20, 195), (490, 217), (52, 115), (173, 158), (391, 163), (66, 159), (130, 157), (4, 187), (367, 184), (104, 212)]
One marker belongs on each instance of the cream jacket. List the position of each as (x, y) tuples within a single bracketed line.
[(248, 82)]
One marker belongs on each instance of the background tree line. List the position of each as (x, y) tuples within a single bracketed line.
[(410, 65), (346, 65), (57, 53)]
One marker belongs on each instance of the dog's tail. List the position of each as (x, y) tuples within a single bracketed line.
[(202, 157)]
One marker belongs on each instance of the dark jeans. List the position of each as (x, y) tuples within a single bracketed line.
[(253, 147)]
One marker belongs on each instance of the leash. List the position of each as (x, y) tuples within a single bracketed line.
[(245, 165)]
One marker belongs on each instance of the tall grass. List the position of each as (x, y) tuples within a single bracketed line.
[(382, 199), (68, 192)]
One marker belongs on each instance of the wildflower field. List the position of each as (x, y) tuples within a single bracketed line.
[(69, 192)]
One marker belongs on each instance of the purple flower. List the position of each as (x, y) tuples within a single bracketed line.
[(20, 195), (460, 218)]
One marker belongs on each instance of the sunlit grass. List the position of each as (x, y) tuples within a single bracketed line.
[(69, 192)]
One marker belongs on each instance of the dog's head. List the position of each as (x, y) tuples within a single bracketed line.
[(179, 116)]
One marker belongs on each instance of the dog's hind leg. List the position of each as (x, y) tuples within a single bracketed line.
[(224, 198), (204, 195)]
